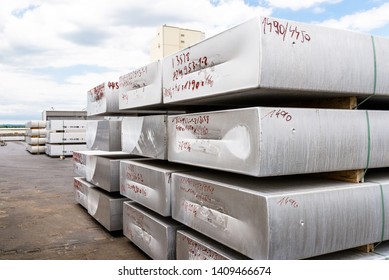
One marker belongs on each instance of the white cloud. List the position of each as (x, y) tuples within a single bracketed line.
[(299, 4), (365, 21)]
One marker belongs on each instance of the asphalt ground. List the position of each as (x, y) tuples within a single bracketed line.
[(40, 219)]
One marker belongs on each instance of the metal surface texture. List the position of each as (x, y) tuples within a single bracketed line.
[(145, 136), (267, 57), (153, 234), (142, 87), (104, 135), (191, 245), (63, 149), (148, 182), (106, 208), (66, 125), (287, 217), (80, 159), (66, 137), (267, 141), (104, 171), (81, 190), (103, 99)]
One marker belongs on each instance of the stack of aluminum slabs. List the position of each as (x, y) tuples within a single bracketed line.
[(103, 99), (106, 208), (148, 182), (104, 135), (253, 195), (99, 186), (141, 88), (284, 217), (268, 58), (191, 245), (273, 141), (36, 137), (65, 136), (145, 136), (153, 234)]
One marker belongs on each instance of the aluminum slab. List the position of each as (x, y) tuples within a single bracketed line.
[(63, 149), (106, 208), (81, 190), (80, 159), (191, 245), (267, 141), (104, 135), (104, 171), (141, 87), (66, 125), (66, 137), (145, 136), (268, 57), (103, 99), (153, 234), (288, 217), (148, 182)]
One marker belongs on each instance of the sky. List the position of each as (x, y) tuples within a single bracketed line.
[(53, 51)]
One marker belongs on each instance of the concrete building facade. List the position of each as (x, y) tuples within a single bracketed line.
[(170, 39)]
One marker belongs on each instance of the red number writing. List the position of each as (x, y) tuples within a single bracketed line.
[(113, 85), (275, 26)]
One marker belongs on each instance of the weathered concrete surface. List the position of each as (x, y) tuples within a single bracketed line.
[(39, 218)]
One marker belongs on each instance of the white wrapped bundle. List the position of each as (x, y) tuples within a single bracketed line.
[(66, 125), (66, 137)]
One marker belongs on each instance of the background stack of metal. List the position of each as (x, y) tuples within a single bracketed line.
[(65, 136), (36, 137), (293, 101)]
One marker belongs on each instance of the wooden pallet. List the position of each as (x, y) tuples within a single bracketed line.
[(350, 102), (365, 248), (352, 176)]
